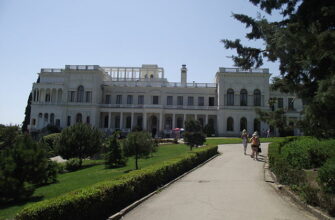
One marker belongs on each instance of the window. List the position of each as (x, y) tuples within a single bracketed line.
[(117, 122), (243, 124), (46, 116), (88, 120), (47, 97), (79, 118), (129, 99), (88, 97), (52, 118), (128, 122), (290, 104), (33, 121), (119, 99), (230, 124), (168, 123), (155, 100), (201, 121), (180, 100), (80, 94), (190, 100), (169, 100), (280, 103), (72, 96), (257, 97), (243, 97), (40, 115), (140, 121), (108, 99), (106, 121), (211, 101), (230, 97), (257, 125), (179, 122), (68, 121), (57, 122), (59, 95), (140, 100), (201, 101)]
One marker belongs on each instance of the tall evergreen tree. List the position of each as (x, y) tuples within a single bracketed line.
[(304, 44), (27, 111)]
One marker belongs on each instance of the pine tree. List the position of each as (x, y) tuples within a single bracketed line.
[(114, 156), (304, 44)]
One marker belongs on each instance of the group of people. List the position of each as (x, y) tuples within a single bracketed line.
[(255, 143)]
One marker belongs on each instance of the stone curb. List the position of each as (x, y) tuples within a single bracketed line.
[(124, 211), (286, 191)]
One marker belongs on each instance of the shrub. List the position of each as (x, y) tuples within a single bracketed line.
[(23, 166), (114, 156), (103, 199), (326, 176), (73, 164), (50, 142), (193, 135), (79, 140), (139, 144), (310, 194)]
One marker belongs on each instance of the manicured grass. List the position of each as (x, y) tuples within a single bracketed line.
[(219, 140), (71, 181)]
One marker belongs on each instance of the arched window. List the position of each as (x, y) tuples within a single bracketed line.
[(230, 124), (80, 94), (257, 125), (79, 118), (46, 116), (40, 115), (47, 95), (257, 97), (140, 121), (230, 97), (151, 76), (243, 124), (201, 121), (88, 120), (52, 118), (243, 97)]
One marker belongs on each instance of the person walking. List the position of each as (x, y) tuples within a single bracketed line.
[(244, 137), (255, 142)]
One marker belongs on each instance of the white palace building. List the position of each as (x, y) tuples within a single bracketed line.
[(124, 97)]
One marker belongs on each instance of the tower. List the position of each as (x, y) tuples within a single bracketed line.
[(183, 74)]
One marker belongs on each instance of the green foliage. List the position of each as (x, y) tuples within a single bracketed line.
[(303, 42), (114, 156), (79, 140), (139, 144), (193, 135), (276, 119), (310, 194), (8, 136), (105, 198), (22, 167), (73, 164), (327, 176), (209, 130), (50, 142), (27, 111)]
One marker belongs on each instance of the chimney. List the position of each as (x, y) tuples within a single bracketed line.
[(183, 74)]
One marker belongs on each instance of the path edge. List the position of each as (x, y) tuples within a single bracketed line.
[(271, 179), (124, 211)]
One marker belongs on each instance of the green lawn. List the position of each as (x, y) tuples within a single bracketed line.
[(71, 181)]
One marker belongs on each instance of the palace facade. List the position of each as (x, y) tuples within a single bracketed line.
[(124, 97)]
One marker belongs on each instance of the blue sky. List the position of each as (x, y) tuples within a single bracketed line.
[(43, 34)]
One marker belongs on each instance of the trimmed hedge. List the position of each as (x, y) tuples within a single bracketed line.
[(103, 199)]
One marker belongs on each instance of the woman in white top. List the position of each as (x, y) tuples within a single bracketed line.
[(244, 137)]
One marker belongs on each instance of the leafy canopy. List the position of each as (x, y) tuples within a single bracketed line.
[(304, 44)]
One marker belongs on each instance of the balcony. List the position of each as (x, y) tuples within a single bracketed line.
[(186, 107)]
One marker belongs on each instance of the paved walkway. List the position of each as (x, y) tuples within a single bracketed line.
[(229, 187)]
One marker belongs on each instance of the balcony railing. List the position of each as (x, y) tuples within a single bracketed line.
[(194, 107), (153, 83), (240, 70)]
